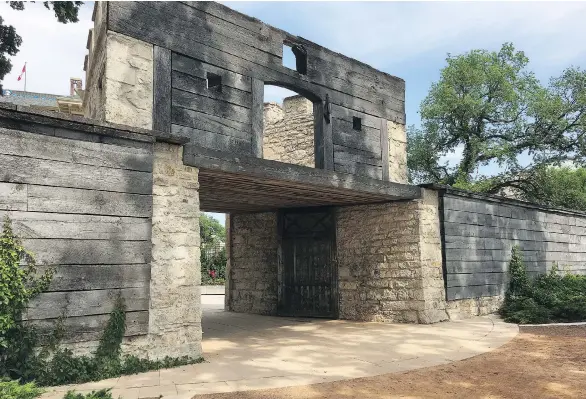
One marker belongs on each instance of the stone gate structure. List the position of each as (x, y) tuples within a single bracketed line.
[(320, 224)]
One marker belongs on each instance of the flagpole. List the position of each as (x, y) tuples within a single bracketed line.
[(25, 76)]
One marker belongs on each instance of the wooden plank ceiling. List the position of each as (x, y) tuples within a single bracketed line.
[(231, 183)]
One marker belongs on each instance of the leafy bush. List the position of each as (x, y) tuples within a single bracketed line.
[(19, 284), (101, 394), (550, 297), (14, 390)]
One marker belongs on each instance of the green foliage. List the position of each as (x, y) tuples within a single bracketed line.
[(111, 339), (213, 255), (101, 394), (551, 297), (50, 365), (19, 284), (213, 265), (15, 390), (65, 368), (211, 231), (490, 106), (10, 41), (563, 187)]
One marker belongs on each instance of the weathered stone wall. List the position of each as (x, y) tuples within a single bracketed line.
[(253, 271), (289, 137), (467, 308), (125, 96), (289, 132), (390, 266), (120, 81), (175, 305)]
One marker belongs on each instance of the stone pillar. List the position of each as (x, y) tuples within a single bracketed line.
[(253, 271), (430, 257), (175, 303), (120, 90), (389, 262), (119, 80), (397, 152)]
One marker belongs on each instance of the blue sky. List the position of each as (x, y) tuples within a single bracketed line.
[(406, 39), (411, 39)]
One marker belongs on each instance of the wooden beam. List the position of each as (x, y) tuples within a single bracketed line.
[(384, 144), (295, 174), (162, 90), (258, 88)]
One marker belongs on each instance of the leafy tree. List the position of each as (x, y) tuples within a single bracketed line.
[(559, 187), (210, 229), (10, 41), (492, 108)]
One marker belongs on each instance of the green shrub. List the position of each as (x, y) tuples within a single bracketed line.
[(19, 284), (101, 394), (550, 297), (15, 390)]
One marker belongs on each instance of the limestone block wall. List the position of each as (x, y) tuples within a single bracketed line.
[(120, 81), (288, 132), (175, 305), (389, 259), (253, 271), (124, 94)]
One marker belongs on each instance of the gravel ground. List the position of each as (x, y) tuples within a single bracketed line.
[(541, 362)]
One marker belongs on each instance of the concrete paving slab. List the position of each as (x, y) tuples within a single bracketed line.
[(245, 352)]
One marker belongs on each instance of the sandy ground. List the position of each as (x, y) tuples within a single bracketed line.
[(548, 362)]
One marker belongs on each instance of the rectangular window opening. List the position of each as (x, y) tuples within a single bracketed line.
[(214, 81), (295, 57), (357, 123)]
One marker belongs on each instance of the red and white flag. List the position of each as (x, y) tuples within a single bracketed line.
[(23, 72)]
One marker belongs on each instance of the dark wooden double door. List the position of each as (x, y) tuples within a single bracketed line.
[(308, 272)]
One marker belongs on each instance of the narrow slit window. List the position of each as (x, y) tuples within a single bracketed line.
[(295, 57), (357, 123), (214, 81)]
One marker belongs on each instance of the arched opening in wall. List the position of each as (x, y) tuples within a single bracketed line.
[(288, 127)]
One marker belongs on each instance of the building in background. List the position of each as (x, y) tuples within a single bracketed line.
[(71, 104)]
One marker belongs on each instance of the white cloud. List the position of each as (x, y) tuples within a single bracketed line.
[(54, 52), (382, 34), (385, 33), (453, 157)]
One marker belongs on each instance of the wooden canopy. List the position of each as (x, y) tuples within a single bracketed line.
[(230, 183)]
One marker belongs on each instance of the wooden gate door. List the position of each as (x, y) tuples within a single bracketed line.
[(308, 286)]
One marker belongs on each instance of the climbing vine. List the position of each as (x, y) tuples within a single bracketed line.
[(24, 356)]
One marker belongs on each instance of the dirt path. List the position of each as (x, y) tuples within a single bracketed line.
[(540, 363)]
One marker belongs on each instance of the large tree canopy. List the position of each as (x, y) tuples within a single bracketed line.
[(489, 106), (559, 187), (10, 41), (211, 231)]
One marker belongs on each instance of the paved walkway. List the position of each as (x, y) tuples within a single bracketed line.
[(246, 352)]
